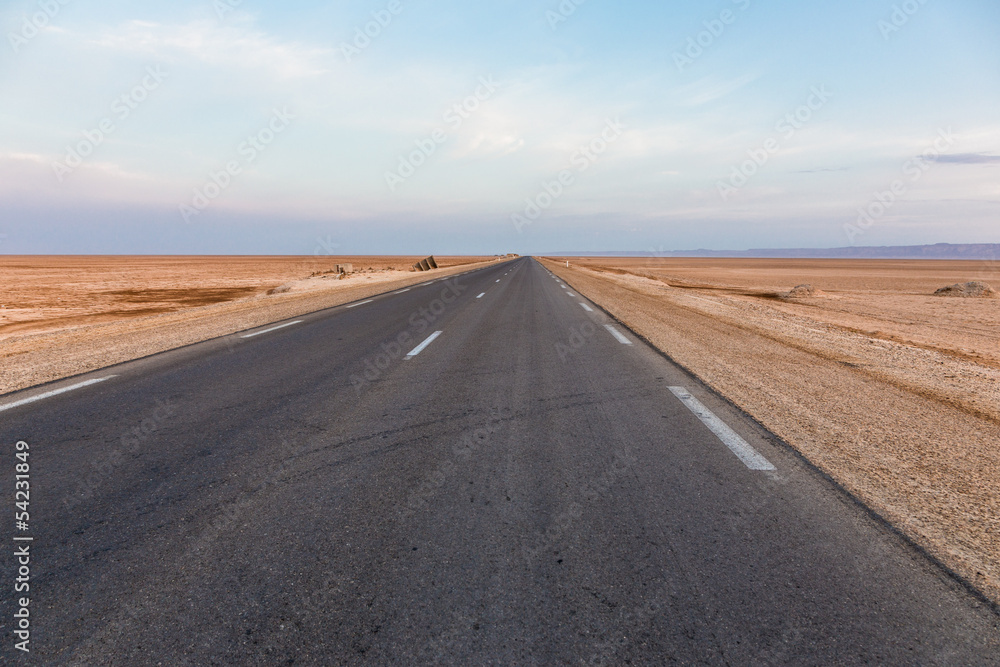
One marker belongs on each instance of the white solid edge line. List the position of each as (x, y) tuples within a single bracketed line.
[(587, 308), (280, 326), (420, 348), (54, 392), (355, 305), (750, 457), (619, 336), (481, 295)]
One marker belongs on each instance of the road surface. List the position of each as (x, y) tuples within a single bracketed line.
[(480, 470)]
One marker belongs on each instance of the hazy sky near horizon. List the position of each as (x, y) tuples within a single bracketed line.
[(282, 127)]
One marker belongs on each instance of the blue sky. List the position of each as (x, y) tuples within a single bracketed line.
[(248, 127)]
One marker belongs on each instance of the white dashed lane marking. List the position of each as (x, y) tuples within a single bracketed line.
[(619, 336), (744, 451), (280, 326), (54, 392), (420, 348)]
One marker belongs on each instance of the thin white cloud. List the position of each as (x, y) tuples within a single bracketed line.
[(967, 158), (24, 157), (93, 180), (485, 145), (710, 89), (221, 46)]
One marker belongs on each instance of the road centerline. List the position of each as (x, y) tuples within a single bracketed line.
[(420, 348)]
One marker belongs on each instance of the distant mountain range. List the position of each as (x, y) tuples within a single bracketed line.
[(974, 251)]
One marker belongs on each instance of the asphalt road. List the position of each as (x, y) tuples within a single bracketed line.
[(532, 488)]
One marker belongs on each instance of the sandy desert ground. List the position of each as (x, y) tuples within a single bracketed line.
[(892, 391), (887, 299), (42, 294), (71, 314)]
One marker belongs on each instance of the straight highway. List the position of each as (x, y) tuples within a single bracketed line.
[(484, 469)]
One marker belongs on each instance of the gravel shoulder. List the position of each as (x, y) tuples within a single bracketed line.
[(913, 432)]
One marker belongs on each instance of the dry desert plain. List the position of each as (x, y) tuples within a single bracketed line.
[(890, 390), (63, 315)]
